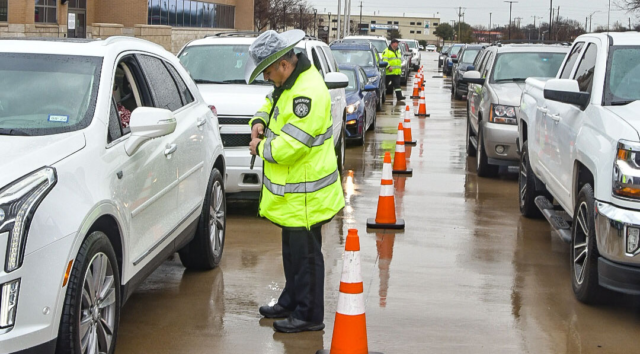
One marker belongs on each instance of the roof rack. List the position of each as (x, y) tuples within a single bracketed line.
[(234, 34), (527, 41)]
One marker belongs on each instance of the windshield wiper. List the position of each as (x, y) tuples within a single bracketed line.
[(621, 103), (235, 81), (515, 79), (205, 81), (12, 131)]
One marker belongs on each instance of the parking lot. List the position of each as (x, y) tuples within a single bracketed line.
[(468, 275)]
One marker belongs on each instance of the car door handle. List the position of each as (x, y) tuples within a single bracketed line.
[(170, 149), (544, 110), (555, 117), (201, 121)]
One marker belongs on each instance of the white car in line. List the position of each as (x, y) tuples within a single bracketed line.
[(414, 46), (216, 63), (431, 48), (112, 162)]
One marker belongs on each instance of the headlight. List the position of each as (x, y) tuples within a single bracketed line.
[(18, 203), (352, 107), (503, 114), (626, 170)]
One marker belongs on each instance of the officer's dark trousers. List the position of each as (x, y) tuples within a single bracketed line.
[(395, 82), (304, 273)]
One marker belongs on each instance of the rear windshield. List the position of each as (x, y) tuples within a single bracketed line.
[(44, 94), (469, 55), (623, 79), (520, 66), (357, 57), (218, 64)]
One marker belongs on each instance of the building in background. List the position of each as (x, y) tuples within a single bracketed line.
[(170, 23), (410, 27)]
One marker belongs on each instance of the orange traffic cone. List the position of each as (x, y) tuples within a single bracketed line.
[(386, 214), (400, 158), (350, 328), (416, 87), (422, 107), (406, 127)]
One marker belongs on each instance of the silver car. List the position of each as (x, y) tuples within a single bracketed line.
[(493, 99)]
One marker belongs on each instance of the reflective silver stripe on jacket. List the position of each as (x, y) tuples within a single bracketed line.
[(268, 133), (267, 150), (304, 187), (263, 115), (270, 97), (304, 137)]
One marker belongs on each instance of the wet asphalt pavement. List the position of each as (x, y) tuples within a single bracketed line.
[(468, 275)]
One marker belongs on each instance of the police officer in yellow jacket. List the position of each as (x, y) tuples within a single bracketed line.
[(393, 56), (301, 188)]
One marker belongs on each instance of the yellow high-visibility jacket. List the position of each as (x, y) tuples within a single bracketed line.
[(395, 61), (301, 182)]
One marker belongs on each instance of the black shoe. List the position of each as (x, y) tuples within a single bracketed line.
[(292, 325), (401, 98), (275, 311)]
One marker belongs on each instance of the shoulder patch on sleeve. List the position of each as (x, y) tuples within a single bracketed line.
[(301, 106)]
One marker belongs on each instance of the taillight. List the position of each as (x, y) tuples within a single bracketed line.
[(453, 56), (214, 110)]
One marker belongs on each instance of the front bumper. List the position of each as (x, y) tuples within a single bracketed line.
[(40, 298), (504, 135), (239, 177), (355, 131)]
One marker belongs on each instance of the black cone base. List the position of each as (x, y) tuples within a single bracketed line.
[(408, 171), (399, 225), (411, 142), (415, 97), (423, 115)]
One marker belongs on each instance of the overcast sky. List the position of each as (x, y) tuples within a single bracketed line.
[(477, 11)]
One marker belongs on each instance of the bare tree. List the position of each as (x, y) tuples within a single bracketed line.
[(282, 14)]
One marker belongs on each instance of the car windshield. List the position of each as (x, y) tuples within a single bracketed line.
[(356, 57), (218, 64), (411, 44), (352, 80), (520, 66), (445, 49), (380, 44), (44, 94), (455, 50), (623, 80), (469, 55)]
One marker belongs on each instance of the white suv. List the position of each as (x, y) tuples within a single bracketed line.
[(216, 63), (112, 162), (415, 52)]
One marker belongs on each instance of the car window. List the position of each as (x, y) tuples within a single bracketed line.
[(114, 129), (479, 58), (351, 75), (483, 63), (584, 73), (363, 78), (210, 64), (356, 57), (185, 94), (162, 85), (330, 59), (469, 55), (518, 66), (622, 84), (126, 95), (573, 57), (487, 64), (455, 50), (317, 61)]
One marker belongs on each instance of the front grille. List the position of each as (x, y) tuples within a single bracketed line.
[(234, 120), (232, 140)]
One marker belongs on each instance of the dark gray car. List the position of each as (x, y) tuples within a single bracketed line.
[(466, 62)]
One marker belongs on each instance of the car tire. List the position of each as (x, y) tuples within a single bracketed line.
[(456, 94), (87, 309), (527, 192), (360, 141), (584, 250), (384, 94), (372, 127), (380, 100), (471, 150), (483, 168), (204, 252), (340, 152)]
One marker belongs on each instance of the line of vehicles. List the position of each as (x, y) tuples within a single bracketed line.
[(566, 116), (129, 156)]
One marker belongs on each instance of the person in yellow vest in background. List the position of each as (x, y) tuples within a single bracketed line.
[(393, 56), (301, 189)]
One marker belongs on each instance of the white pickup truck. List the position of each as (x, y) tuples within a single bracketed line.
[(579, 150)]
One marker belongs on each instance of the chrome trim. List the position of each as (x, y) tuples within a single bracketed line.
[(5, 330), (611, 232), (163, 239)]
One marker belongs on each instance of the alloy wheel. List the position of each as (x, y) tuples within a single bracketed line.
[(98, 307), (522, 180), (580, 252), (216, 218)]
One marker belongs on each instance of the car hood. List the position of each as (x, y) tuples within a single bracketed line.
[(352, 97), (628, 113), (508, 93), (370, 71), (240, 100), (25, 154)]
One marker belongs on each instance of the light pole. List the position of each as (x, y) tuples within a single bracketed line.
[(510, 6), (490, 27), (591, 21)]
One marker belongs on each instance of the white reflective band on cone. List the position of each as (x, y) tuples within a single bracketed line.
[(351, 269), (350, 304), (421, 101), (400, 148), (387, 171), (386, 190), (407, 114), (406, 124), (400, 135)]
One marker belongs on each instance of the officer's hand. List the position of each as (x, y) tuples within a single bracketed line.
[(254, 145), (257, 131)]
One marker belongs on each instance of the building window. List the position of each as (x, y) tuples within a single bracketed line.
[(373, 22), (395, 23), (373, 30), (334, 20), (412, 31), (435, 24), (418, 32), (3, 10), (388, 22), (187, 13), (45, 11), (419, 24), (412, 23)]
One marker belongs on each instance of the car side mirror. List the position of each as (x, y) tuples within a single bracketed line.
[(473, 77), (471, 68), (370, 87), (383, 64), (566, 91), (147, 123), (336, 80)]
